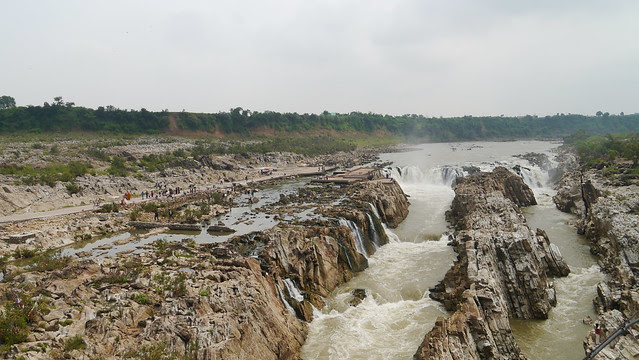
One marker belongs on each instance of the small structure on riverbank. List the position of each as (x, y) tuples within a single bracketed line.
[(352, 176)]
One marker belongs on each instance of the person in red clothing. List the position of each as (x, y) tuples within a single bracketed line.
[(597, 333)]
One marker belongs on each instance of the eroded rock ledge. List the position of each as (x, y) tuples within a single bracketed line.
[(246, 298), (500, 272), (609, 213)]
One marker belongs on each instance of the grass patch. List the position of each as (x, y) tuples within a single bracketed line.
[(74, 343), (141, 298), (47, 175)]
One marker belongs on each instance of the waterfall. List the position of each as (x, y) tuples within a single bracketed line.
[(286, 304), (372, 231), (374, 208), (357, 235), (444, 175), (348, 259), (392, 237), (450, 174), (293, 291)]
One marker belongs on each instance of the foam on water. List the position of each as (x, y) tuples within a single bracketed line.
[(392, 320)]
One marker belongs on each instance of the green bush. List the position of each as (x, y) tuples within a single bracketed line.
[(118, 167), (74, 343), (108, 208), (47, 175), (14, 322), (25, 253), (50, 262), (73, 188), (149, 207), (66, 322), (141, 298), (98, 154), (134, 215)]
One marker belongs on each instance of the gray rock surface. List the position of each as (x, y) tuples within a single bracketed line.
[(500, 272)]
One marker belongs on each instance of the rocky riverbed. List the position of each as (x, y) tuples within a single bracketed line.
[(609, 210), (249, 297), (22, 194), (501, 271)]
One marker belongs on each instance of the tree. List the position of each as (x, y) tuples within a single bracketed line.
[(7, 102), (599, 113)]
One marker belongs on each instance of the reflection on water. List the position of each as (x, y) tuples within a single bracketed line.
[(243, 219)]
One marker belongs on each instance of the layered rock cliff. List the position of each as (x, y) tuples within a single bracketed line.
[(501, 271), (249, 297), (609, 212)]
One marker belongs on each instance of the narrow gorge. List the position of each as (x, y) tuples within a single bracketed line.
[(500, 273), (608, 208)]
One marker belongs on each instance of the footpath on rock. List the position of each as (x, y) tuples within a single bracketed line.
[(501, 271), (68, 210)]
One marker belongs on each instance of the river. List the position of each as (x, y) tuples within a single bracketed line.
[(392, 321)]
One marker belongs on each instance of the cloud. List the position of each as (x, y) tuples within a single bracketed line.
[(399, 56)]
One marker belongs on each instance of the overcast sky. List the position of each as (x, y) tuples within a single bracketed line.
[(431, 57)]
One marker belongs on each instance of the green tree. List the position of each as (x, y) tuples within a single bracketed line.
[(7, 102)]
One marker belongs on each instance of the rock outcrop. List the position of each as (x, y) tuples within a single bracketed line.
[(501, 271), (249, 297), (388, 198), (610, 220)]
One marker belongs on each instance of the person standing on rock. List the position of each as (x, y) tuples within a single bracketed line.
[(597, 333), (157, 215)]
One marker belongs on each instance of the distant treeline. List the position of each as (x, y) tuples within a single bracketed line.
[(433, 129), (62, 117)]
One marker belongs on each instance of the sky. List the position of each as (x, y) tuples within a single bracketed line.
[(435, 58)]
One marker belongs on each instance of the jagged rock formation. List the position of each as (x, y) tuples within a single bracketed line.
[(245, 298), (501, 271), (388, 198), (610, 220)]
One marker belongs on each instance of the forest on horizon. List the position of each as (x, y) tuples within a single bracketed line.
[(60, 116)]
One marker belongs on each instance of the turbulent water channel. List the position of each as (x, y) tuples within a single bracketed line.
[(392, 321)]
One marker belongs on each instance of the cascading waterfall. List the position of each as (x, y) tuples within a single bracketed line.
[(293, 291), (392, 237), (392, 321), (357, 235), (372, 231), (286, 304), (444, 175)]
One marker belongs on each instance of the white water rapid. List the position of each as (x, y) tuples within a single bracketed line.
[(392, 321)]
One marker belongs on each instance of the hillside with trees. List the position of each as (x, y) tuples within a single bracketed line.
[(60, 116)]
